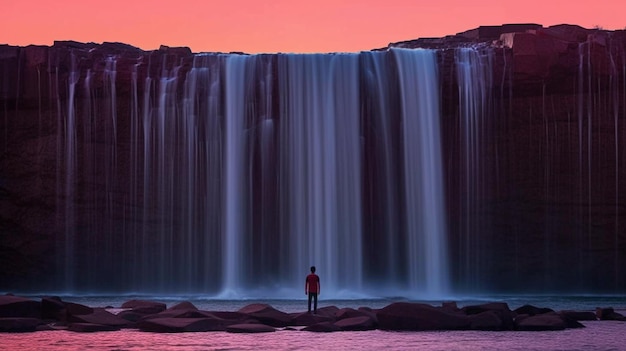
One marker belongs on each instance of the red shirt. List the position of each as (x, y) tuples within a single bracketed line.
[(312, 284)]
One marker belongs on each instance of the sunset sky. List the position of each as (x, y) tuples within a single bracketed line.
[(256, 26)]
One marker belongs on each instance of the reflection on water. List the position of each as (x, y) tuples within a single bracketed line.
[(597, 336)]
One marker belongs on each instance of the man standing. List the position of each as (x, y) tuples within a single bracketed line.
[(312, 288)]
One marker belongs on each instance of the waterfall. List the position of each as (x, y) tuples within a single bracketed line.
[(230, 175), (425, 223), (321, 165), (234, 176), (474, 76)]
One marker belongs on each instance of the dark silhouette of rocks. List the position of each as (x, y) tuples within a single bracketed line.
[(257, 317), (609, 314)]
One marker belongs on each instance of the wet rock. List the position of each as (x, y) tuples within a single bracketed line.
[(76, 309), (359, 323), (368, 312), (540, 322), (324, 327), (609, 314), (179, 325), (267, 314), (579, 315), (178, 313), (100, 316), (18, 324), (532, 310), (229, 315), (185, 305), (450, 306), (328, 311), (90, 327), (344, 313), (16, 306), (130, 316), (250, 328), (570, 323), (307, 319), (52, 308), (488, 320), (416, 316), (182, 310), (145, 307), (501, 309)]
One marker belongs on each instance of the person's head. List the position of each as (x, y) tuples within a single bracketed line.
[(312, 269)]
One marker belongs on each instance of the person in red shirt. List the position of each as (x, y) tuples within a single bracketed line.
[(312, 288)]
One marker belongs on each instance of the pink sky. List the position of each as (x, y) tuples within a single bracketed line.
[(256, 26)]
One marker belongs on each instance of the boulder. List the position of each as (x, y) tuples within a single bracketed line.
[(501, 309), (186, 309), (579, 315), (90, 327), (328, 311), (100, 316), (368, 311), (450, 306), (488, 320), (18, 324), (16, 306), (356, 323), (145, 307), (229, 315), (540, 322), (53, 308), (249, 328), (185, 305), (324, 327), (532, 310), (306, 319), (179, 325), (417, 316), (76, 309), (609, 314), (344, 313), (570, 323), (130, 316), (267, 314)]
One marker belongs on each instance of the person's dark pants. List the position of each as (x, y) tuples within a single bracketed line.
[(313, 296)]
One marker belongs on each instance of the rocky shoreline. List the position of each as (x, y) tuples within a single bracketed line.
[(22, 314)]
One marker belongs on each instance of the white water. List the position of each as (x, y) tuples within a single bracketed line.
[(423, 173), (321, 164), (474, 75)]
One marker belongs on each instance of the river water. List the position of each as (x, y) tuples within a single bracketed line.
[(598, 335)]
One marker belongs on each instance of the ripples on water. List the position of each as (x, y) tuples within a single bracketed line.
[(599, 335), (603, 335)]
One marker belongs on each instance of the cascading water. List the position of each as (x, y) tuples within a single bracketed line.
[(321, 168), (241, 171), (474, 76), (425, 224)]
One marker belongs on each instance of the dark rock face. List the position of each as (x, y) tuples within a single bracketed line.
[(534, 195)]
